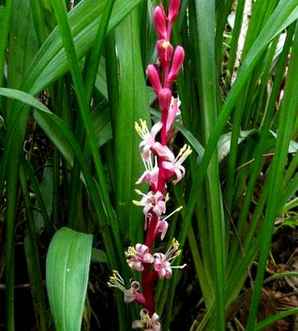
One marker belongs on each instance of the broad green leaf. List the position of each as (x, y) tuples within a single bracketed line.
[(68, 263), (132, 106)]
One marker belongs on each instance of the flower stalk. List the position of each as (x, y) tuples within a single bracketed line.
[(161, 168)]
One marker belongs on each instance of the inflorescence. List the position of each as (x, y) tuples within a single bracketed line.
[(161, 167)]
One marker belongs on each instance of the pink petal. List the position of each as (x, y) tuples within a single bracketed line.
[(174, 8)]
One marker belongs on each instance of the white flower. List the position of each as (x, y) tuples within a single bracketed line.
[(147, 136), (151, 173), (152, 202), (130, 294), (146, 322), (175, 166)]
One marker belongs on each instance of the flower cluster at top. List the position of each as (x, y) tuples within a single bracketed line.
[(161, 167)]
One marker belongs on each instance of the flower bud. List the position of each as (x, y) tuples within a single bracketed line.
[(174, 8), (165, 97), (160, 22), (177, 63), (154, 78), (165, 52)]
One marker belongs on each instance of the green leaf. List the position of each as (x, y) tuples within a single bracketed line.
[(50, 62), (274, 318), (23, 43), (287, 113), (68, 263), (53, 126), (132, 106), (224, 143)]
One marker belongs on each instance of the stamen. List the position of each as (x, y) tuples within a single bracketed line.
[(131, 251), (172, 213), (141, 128)]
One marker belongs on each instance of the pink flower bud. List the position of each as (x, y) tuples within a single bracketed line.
[(165, 97), (154, 78), (165, 52), (177, 63), (174, 8), (160, 22)]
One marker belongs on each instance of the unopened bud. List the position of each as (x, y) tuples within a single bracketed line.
[(154, 78), (165, 97), (165, 52), (177, 63), (174, 8), (160, 22)]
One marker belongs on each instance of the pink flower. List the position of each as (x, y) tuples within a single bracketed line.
[(152, 202), (160, 23), (137, 255), (174, 8), (148, 137), (162, 262), (174, 110), (162, 266), (146, 322), (177, 63), (175, 166), (131, 294), (165, 52), (154, 78), (150, 176)]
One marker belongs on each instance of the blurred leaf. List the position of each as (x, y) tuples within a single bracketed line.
[(68, 263), (23, 43), (224, 143), (99, 256)]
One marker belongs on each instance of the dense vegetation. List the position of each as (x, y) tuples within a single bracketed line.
[(72, 85)]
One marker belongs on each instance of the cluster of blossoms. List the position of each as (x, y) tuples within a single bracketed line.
[(161, 167)]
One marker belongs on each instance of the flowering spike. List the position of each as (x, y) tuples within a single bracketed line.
[(174, 8), (160, 23), (154, 78), (177, 63), (161, 166)]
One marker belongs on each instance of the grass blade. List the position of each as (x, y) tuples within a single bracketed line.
[(287, 112)]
